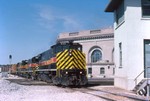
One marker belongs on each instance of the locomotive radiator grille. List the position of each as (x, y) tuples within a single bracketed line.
[(70, 59)]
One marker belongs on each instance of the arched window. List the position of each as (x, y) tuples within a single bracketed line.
[(102, 70), (96, 55)]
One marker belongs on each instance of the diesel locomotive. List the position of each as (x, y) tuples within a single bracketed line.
[(63, 64)]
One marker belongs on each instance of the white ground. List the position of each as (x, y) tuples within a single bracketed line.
[(14, 92)]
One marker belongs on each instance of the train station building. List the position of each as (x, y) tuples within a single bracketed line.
[(131, 42), (98, 45)]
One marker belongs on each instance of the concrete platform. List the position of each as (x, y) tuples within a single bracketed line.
[(101, 81), (120, 92)]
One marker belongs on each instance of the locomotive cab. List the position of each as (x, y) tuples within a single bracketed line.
[(70, 63), (65, 46)]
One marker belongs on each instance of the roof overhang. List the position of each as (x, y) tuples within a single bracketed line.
[(113, 5)]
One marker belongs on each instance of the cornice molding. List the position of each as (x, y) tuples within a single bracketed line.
[(102, 36)]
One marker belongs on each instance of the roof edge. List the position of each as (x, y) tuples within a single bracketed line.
[(113, 5)]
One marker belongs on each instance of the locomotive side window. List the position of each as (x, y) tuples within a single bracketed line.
[(58, 49), (45, 55), (77, 47), (80, 48), (24, 62), (65, 47), (50, 53), (53, 48)]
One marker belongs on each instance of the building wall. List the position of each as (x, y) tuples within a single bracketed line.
[(131, 33), (90, 42), (106, 46), (5, 68)]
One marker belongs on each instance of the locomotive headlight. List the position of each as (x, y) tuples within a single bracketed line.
[(66, 72), (80, 72), (70, 52)]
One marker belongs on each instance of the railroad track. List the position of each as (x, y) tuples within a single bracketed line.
[(23, 81), (108, 96)]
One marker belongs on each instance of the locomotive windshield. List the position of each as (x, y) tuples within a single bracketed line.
[(61, 47), (77, 47)]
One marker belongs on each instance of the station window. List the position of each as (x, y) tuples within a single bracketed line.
[(145, 8), (120, 13), (120, 54), (89, 70), (96, 56), (102, 70), (113, 70), (73, 33), (95, 31)]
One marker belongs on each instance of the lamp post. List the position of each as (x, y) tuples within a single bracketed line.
[(10, 59)]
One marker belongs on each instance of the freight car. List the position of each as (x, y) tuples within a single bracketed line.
[(63, 64)]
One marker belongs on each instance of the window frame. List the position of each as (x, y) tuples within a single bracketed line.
[(142, 9), (102, 70), (93, 60), (146, 52), (90, 70), (119, 14), (120, 54)]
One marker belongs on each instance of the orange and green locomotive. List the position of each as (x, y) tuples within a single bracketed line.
[(63, 64)]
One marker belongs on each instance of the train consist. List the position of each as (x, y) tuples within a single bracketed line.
[(63, 64)]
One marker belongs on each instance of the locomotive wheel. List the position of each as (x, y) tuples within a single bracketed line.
[(56, 81), (39, 77), (64, 81), (33, 77)]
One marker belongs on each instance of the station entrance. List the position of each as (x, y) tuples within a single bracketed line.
[(147, 58)]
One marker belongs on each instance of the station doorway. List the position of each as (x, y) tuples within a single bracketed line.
[(147, 58)]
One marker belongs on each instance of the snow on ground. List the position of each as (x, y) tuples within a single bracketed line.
[(10, 92), (14, 92)]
